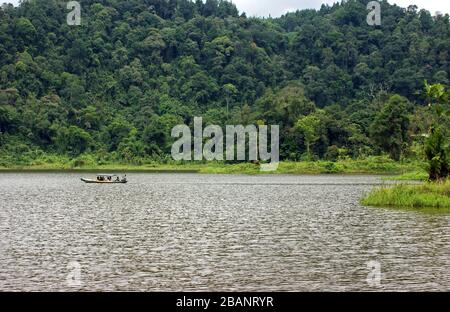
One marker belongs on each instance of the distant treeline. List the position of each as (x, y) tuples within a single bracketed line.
[(116, 85)]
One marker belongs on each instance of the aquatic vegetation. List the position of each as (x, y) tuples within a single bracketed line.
[(427, 195)]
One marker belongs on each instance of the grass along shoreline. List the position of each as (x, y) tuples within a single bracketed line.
[(422, 196), (370, 165), (427, 195)]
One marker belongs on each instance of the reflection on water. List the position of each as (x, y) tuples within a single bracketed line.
[(217, 233)]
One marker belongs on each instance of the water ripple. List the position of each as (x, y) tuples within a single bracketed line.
[(194, 232)]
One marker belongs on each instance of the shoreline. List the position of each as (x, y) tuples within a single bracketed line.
[(372, 166), (95, 170)]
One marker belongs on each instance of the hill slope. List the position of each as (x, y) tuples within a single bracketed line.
[(117, 84)]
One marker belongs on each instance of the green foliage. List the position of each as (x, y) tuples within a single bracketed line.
[(390, 127), (8, 116), (73, 139), (437, 145), (429, 195), (309, 127), (154, 136), (114, 86)]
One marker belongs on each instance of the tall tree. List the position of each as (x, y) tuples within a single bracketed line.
[(390, 127), (437, 145)]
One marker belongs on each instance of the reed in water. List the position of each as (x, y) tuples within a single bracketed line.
[(428, 195)]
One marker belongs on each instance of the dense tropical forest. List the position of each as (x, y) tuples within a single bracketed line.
[(112, 89)]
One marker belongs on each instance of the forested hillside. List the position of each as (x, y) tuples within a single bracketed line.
[(115, 86)]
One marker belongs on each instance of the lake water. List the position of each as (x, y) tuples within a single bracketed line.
[(189, 232)]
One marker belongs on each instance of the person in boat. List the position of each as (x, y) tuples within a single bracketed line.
[(124, 179), (117, 179)]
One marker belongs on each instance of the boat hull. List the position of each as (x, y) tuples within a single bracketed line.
[(102, 182)]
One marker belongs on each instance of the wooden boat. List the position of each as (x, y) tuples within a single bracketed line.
[(106, 179)]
